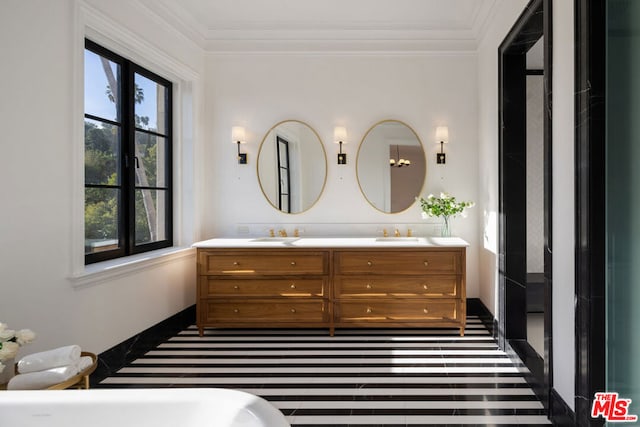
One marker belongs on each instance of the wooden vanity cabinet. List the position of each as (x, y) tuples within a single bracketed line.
[(378, 287), (400, 288), (263, 288)]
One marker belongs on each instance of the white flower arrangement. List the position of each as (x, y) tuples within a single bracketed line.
[(11, 340)]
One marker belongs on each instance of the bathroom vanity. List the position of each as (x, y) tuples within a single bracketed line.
[(332, 283)]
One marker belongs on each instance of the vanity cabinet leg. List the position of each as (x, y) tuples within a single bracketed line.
[(201, 331), (461, 331), (331, 331)]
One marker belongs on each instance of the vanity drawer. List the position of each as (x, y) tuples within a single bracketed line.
[(288, 262), (300, 288), (409, 262), (238, 311), (402, 287), (397, 311)]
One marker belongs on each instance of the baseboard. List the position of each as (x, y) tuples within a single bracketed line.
[(561, 414), (119, 355), (475, 307), (535, 363)]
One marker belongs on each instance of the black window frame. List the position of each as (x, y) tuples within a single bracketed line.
[(284, 191), (128, 161)]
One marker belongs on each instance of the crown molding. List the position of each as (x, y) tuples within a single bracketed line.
[(380, 47), (176, 18), (104, 30), (315, 36), (484, 18)]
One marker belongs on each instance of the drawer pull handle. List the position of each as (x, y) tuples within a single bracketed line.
[(425, 311), (426, 263), (235, 310), (369, 263), (293, 286), (293, 310), (236, 263), (368, 285), (425, 286), (369, 310), (236, 287), (293, 263)]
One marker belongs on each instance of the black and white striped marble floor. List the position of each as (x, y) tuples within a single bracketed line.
[(359, 377)]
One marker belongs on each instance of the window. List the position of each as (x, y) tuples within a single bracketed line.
[(128, 157), (284, 178)]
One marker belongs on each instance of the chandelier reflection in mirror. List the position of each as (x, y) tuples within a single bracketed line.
[(400, 162), (391, 189)]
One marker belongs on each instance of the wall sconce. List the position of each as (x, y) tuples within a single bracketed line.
[(340, 137), (238, 137), (442, 137)]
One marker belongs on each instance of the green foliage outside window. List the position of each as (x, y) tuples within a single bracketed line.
[(101, 167)]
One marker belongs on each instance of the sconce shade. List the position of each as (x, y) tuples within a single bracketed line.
[(442, 134), (340, 134), (237, 135)]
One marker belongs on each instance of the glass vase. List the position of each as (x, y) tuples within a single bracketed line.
[(445, 231)]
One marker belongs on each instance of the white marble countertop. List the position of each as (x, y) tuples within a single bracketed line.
[(332, 242)]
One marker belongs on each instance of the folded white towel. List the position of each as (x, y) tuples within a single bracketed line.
[(84, 363), (42, 379), (61, 356)]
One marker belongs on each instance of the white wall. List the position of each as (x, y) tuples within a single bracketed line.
[(355, 91), (563, 222), (40, 45)]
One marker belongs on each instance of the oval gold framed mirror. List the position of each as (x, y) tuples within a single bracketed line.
[(391, 166), (292, 166)]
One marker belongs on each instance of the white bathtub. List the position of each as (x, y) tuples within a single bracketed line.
[(137, 407)]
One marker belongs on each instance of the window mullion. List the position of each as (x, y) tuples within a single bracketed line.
[(128, 111)]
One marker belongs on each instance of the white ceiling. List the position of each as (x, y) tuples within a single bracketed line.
[(327, 25)]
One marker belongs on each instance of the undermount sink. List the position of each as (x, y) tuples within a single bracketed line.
[(396, 239), (276, 239)]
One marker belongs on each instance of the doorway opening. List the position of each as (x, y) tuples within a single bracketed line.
[(525, 279)]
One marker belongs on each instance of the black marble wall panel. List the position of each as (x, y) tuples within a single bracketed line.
[(512, 115), (548, 204), (590, 39), (513, 207)]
